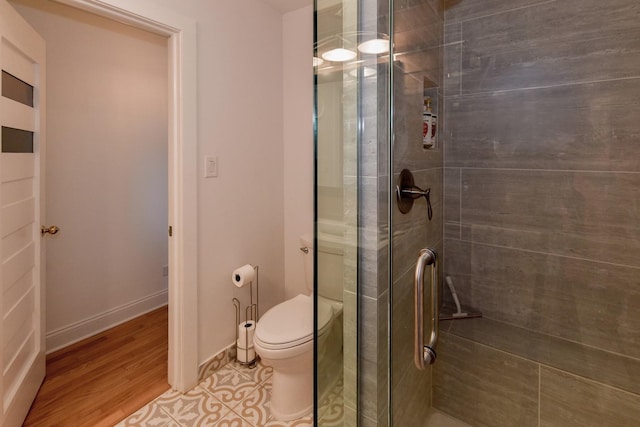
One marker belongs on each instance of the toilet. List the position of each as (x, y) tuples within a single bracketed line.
[(284, 338)]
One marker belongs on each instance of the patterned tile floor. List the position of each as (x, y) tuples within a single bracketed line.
[(234, 396)]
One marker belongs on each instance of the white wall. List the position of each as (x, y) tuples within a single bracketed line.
[(241, 119), (241, 218), (298, 141), (106, 170)]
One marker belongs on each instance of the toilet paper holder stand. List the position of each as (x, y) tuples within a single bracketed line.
[(250, 314)]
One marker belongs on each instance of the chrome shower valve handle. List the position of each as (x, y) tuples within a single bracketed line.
[(415, 193), (407, 192)]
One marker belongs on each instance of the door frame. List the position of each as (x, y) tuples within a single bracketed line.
[(183, 183)]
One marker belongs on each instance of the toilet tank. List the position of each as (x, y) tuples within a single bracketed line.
[(330, 259)]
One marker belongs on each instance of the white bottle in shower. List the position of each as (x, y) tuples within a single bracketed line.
[(427, 123), (434, 127)]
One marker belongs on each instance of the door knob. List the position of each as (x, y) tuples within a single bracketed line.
[(51, 230)]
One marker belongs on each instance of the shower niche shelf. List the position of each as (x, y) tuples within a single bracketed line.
[(430, 124)]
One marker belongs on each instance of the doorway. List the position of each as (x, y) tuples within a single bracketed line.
[(106, 170), (182, 193)]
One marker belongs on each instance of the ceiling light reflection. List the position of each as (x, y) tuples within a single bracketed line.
[(366, 72), (339, 55), (374, 46)]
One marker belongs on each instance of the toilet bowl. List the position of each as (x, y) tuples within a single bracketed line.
[(284, 340), (289, 350)]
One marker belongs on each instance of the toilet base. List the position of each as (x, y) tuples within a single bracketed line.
[(292, 388)]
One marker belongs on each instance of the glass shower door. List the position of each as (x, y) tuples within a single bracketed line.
[(335, 215), (417, 215), (352, 49), (518, 119)]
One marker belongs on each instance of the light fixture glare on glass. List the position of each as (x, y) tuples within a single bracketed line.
[(317, 61), (366, 72), (374, 46), (339, 55)]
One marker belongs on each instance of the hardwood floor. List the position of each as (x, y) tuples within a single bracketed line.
[(103, 379)]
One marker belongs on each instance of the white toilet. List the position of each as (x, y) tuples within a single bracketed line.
[(284, 340)]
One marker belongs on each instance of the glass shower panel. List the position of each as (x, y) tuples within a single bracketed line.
[(352, 49), (533, 187), (336, 208), (417, 97)]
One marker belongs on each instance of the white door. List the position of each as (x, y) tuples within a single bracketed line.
[(22, 359)]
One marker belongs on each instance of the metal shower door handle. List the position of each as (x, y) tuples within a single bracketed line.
[(425, 355)]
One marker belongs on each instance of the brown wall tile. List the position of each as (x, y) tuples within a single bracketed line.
[(584, 301), (483, 386), (581, 214), (553, 43), (463, 10), (585, 361), (568, 401), (582, 127)]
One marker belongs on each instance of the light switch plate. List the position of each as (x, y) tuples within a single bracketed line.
[(210, 166)]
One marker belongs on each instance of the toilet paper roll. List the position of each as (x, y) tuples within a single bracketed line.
[(245, 334), (246, 355), (243, 275)]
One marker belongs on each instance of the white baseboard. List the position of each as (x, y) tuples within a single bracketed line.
[(62, 337)]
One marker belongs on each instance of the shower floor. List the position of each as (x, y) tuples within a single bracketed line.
[(438, 419)]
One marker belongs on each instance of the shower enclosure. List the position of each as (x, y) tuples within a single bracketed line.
[(517, 123)]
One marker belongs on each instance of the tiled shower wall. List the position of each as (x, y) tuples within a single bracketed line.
[(418, 29), (370, 177), (542, 220)]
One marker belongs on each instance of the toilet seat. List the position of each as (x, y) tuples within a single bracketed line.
[(290, 323), (336, 306)]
